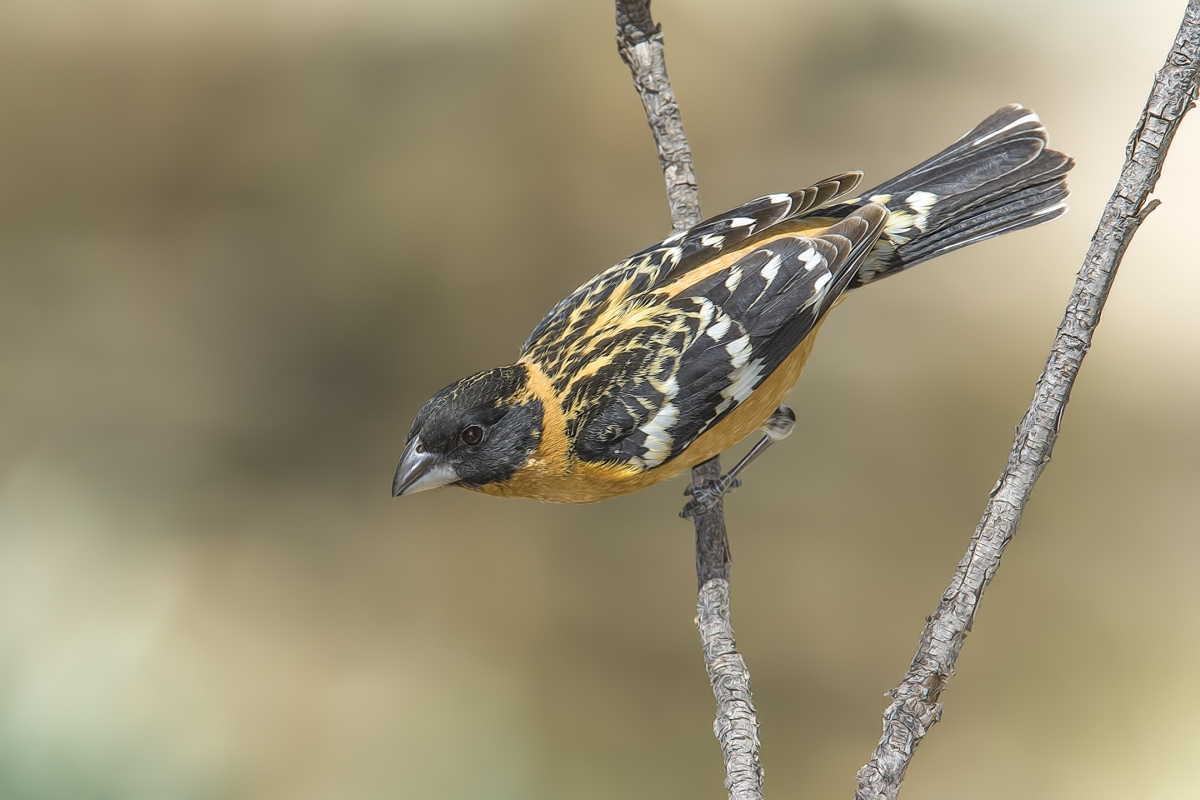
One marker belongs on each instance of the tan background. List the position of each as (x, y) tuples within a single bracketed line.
[(242, 242)]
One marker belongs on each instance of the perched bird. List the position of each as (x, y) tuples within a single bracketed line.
[(677, 353)]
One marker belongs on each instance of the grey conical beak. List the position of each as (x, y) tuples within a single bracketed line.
[(420, 470)]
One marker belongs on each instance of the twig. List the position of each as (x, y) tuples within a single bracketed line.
[(640, 42), (915, 707)]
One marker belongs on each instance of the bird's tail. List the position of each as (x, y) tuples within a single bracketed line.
[(1000, 177)]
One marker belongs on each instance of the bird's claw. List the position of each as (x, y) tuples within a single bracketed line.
[(705, 496), (777, 427)]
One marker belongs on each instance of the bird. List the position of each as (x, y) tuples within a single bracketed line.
[(685, 348)]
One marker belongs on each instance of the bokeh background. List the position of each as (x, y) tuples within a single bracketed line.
[(242, 241)]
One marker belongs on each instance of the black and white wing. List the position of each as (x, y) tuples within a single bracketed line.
[(673, 365), (671, 258)]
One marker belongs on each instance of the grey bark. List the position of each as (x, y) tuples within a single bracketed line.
[(915, 707), (640, 43), (736, 725)]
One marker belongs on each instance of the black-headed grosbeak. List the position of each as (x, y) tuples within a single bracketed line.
[(677, 353)]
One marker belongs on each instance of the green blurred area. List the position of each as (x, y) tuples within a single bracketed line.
[(241, 243)]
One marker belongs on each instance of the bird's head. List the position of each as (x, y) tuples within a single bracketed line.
[(476, 431)]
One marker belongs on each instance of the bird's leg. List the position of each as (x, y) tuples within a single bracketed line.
[(777, 428)]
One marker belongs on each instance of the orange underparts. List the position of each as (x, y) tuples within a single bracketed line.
[(552, 474)]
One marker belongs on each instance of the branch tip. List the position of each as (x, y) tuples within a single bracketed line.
[(914, 708)]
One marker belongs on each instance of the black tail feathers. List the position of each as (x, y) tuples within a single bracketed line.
[(1000, 177)]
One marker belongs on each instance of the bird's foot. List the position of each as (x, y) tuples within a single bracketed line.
[(707, 494), (777, 428)]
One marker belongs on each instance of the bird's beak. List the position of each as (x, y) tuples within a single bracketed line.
[(420, 470)]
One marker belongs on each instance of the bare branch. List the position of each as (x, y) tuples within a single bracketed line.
[(640, 42), (736, 725), (915, 707), (712, 545)]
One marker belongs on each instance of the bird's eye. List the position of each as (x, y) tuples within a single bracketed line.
[(472, 435)]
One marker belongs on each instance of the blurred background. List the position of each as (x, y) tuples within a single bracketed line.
[(242, 242)]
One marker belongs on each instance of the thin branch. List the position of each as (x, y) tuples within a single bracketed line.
[(915, 707), (640, 42)]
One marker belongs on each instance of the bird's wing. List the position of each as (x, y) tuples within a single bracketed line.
[(673, 258), (657, 373)]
